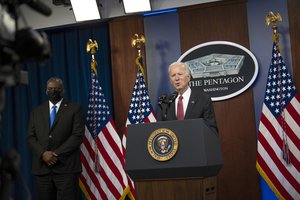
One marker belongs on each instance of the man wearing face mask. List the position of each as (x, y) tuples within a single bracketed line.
[(55, 133), (186, 103)]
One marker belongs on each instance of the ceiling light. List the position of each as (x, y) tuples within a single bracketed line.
[(85, 10), (135, 6)]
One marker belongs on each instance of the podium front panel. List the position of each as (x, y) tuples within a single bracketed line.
[(198, 153)]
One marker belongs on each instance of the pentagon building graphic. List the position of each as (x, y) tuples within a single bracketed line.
[(215, 65)]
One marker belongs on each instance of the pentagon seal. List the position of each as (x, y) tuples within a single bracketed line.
[(162, 144)]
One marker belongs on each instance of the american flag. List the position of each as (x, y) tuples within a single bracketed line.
[(278, 155), (103, 175), (140, 108)]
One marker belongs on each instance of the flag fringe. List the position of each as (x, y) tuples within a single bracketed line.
[(86, 194), (269, 182), (127, 192)]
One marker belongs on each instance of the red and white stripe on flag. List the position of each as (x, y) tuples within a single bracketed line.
[(111, 182), (103, 175), (280, 127)]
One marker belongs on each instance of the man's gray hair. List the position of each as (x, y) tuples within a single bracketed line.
[(57, 80), (187, 69)]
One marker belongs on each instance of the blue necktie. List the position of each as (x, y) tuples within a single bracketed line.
[(52, 115)]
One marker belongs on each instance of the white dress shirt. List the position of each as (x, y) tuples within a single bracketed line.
[(57, 106)]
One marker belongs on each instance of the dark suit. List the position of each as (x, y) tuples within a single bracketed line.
[(199, 106), (64, 138)]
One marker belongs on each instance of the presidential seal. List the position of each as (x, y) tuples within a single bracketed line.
[(162, 144)]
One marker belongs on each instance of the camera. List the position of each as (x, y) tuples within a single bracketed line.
[(17, 46)]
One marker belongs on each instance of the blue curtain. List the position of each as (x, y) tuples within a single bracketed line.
[(70, 62)]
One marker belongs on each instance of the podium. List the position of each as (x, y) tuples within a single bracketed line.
[(189, 174)]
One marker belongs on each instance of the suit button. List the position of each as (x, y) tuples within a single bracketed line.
[(50, 136)]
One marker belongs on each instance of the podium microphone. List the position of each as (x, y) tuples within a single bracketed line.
[(172, 97), (167, 102), (162, 99)]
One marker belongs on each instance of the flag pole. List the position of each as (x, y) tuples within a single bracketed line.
[(92, 47), (137, 42), (272, 18), (103, 178)]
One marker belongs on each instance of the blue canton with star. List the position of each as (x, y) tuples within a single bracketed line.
[(98, 113), (140, 106), (280, 88)]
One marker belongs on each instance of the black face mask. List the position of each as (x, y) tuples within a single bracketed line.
[(54, 96)]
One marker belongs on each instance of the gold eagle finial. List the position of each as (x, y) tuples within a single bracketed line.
[(272, 18), (137, 42), (91, 46)]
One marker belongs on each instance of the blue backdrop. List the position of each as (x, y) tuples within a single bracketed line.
[(70, 62)]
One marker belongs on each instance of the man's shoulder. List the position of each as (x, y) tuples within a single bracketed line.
[(198, 93), (41, 106), (71, 104)]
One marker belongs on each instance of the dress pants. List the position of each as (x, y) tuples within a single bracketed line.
[(58, 186)]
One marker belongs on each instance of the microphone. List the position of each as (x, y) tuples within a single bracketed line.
[(40, 7), (172, 97), (163, 104), (168, 102), (162, 99)]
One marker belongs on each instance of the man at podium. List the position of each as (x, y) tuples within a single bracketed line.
[(185, 103), (180, 158)]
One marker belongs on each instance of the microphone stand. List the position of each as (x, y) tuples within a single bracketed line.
[(162, 105), (165, 105)]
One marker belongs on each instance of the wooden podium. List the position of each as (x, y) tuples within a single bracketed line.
[(190, 174)]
